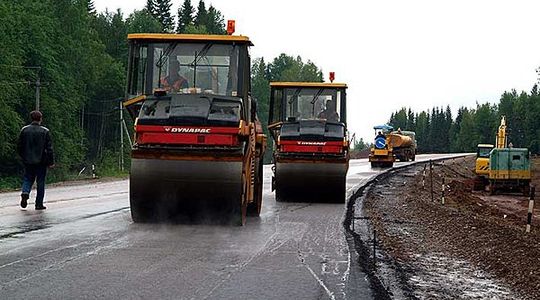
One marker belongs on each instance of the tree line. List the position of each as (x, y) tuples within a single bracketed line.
[(79, 56), (438, 132)]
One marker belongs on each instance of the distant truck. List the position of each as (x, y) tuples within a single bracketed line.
[(404, 144), (390, 145)]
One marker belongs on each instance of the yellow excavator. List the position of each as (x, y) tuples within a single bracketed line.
[(482, 157)]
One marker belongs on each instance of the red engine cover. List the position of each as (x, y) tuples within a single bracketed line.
[(311, 147), (187, 135)]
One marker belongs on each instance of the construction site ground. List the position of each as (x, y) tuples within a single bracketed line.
[(472, 247)]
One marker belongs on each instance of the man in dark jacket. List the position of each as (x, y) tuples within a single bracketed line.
[(35, 149)]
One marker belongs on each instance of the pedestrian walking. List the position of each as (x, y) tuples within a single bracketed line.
[(35, 149)]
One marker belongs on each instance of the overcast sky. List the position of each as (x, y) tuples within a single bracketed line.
[(395, 53)]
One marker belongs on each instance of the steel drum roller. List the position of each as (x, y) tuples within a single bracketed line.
[(163, 189), (319, 182)]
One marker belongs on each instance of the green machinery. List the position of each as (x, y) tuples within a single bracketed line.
[(509, 169)]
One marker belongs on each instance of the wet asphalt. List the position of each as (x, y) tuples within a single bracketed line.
[(85, 245)]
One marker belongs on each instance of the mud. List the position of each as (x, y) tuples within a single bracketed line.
[(472, 247)]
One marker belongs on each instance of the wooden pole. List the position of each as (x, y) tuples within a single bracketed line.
[(531, 208)]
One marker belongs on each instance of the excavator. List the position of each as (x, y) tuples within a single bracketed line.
[(509, 168), (198, 144), (307, 121)]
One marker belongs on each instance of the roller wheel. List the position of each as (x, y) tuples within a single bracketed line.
[(341, 192), (280, 197), (240, 207), (140, 213), (254, 208)]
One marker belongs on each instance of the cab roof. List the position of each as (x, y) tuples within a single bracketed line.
[(308, 84), (190, 37), (485, 146)]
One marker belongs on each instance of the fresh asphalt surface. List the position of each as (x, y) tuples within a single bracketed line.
[(85, 245)]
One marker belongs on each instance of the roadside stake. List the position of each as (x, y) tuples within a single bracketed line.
[(424, 178), (530, 212), (431, 177), (442, 195), (374, 250)]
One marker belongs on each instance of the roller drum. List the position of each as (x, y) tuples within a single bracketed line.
[(311, 182), (188, 190)]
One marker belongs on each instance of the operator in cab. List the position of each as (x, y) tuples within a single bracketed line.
[(174, 82), (329, 113)]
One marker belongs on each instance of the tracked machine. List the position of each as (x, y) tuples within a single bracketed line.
[(311, 155), (198, 143)]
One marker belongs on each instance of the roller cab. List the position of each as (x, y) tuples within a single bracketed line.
[(198, 144), (311, 149)]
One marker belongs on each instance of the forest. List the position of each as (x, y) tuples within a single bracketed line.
[(437, 131), (76, 58)]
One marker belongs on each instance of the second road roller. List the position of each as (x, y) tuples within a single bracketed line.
[(307, 121), (198, 143)]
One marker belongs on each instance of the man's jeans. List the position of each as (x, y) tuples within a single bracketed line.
[(35, 173)]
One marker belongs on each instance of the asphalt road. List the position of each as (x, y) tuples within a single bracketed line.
[(85, 245)]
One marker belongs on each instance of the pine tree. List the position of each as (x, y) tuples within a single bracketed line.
[(185, 16), (216, 22), (201, 18), (91, 8), (151, 7), (163, 15), (141, 21)]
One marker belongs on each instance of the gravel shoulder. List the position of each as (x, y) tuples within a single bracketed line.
[(472, 247)]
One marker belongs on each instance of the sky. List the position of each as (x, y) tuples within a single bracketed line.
[(394, 54)]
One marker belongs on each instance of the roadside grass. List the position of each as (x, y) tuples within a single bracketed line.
[(58, 175)]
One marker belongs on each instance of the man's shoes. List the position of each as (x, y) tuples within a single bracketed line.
[(41, 207), (24, 200)]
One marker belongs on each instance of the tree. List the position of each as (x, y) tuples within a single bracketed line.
[(141, 21), (163, 15), (216, 22), (185, 16), (90, 7), (360, 145), (151, 7), (201, 18)]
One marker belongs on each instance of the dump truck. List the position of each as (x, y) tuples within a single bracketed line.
[(403, 144), (198, 144), (307, 121)]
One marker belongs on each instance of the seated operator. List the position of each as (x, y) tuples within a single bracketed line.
[(174, 81), (329, 113)]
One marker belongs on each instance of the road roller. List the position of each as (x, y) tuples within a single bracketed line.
[(307, 121), (198, 144)]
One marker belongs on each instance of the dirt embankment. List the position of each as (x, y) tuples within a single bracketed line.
[(472, 247)]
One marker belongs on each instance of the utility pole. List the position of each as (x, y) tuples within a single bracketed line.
[(121, 136), (38, 86)]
